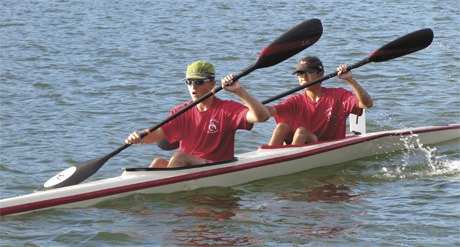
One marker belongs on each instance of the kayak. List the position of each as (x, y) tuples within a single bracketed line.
[(265, 162)]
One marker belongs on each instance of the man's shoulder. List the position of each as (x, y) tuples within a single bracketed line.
[(226, 103), (335, 91), (295, 97), (180, 107)]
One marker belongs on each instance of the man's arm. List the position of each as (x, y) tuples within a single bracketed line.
[(135, 138), (365, 101), (257, 112)]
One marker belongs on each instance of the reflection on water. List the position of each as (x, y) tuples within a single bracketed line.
[(327, 191), (316, 216), (208, 219)]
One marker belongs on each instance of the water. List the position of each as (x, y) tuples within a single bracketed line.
[(78, 76)]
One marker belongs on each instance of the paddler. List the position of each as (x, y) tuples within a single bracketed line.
[(206, 132), (318, 113)]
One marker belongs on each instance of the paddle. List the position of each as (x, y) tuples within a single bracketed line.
[(404, 45), (407, 44), (290, 43)]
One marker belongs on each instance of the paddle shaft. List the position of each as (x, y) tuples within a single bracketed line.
[(326, 77), (404, 45), (144, 133), (287, 45), (290, 43)]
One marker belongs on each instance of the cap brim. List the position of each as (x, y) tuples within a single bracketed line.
[(197, 77), (297, 71), (308, 70)]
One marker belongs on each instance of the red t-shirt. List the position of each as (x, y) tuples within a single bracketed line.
[(209, 134), (327, 118)]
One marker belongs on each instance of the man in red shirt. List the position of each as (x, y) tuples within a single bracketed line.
[(319, 113), (206, 132)]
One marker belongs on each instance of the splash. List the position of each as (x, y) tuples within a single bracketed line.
[(418, 160)]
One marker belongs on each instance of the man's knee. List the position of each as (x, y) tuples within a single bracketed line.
[(159, 163), (181, 158), (284, 127), (303, 136), (281, 134)]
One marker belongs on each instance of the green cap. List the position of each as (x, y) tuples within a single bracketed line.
[(200, 70)]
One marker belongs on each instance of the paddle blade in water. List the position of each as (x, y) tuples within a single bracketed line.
[(290, 43), (407, 44)]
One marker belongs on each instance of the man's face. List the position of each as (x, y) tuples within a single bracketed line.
[(306, 77), (199, 87)]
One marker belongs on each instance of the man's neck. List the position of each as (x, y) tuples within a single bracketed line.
[(205, 104), (314, 94)]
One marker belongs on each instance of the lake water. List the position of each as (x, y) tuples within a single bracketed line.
[(78, 76)]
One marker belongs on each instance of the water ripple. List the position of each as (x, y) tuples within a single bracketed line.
[(78, 76)]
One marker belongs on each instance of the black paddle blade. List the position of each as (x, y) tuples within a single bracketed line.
[(290, 43), (407, 44), (166, 145), (287, 45), (76, 174), (295, 40)]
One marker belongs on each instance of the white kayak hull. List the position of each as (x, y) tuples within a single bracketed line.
[(266, 162)]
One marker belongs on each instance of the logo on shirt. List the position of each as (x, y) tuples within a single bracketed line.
[(328, 114), (213, 126)]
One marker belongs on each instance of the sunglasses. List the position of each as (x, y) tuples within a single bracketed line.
[(197, 82)]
